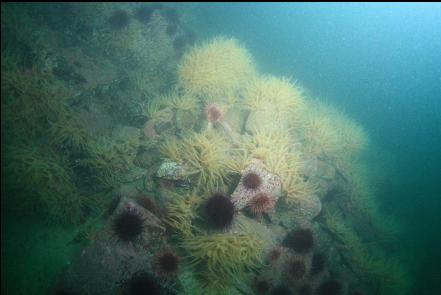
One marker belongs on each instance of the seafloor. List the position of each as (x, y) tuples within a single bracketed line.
[(140, 159)]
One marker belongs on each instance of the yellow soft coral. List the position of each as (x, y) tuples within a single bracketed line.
[(273, 102), (217, 70), (331, 134), (224, 257), (181, 213), (206, 157)]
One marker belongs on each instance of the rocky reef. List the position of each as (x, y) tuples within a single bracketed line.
[(180, 166)]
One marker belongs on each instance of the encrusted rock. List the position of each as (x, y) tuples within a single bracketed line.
[(171, 170), (271, 184), (103, 266)]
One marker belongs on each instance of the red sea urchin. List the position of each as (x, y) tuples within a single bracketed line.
[(260, 204), (214, 113), (128, 225), (300, 240), (252, 181), (219, 210), (166, 264)]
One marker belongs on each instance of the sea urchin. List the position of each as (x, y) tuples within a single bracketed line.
[(219, 210), (260, 204), (252, 181), (128, 225), (166, 264)]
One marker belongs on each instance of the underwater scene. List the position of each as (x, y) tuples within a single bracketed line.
[(220, 148)]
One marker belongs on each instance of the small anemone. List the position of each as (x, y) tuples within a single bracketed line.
[(142, 283), (252, 180), (166, 264), (280, 290), (219, 210), (330, 288), (128, 225), (296, 269), (300, 240), (119, 19), (214, 113)]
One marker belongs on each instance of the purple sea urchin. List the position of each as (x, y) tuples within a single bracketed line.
[(219, 210), (166, 264), (128, 225)]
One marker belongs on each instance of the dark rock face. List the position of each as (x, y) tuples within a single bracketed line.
[(103, 266)]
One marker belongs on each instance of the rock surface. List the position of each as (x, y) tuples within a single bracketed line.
[(104, 266), (271, 184)]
